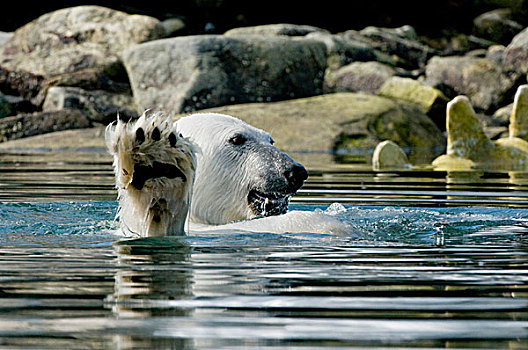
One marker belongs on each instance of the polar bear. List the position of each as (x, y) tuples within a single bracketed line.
[(210, 168)]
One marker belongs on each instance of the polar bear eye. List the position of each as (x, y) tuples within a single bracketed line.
[(238, 140)]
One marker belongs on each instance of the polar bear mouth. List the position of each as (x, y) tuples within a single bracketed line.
[(267, 204)]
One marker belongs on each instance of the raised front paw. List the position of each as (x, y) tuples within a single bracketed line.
[(148, 148), (154, 170)]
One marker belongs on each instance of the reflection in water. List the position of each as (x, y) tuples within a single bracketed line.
[(151, 270)]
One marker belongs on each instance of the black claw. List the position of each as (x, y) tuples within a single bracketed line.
[(140, 136), (156, 135), (172, 139)]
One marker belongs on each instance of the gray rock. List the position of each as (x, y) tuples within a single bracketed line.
[(275, 29), (358, 76), (496, 25), (76, 38), (99, 106), (196, 72), (342, 50), (5, 37), (482, 80), (516, 54), (402, 42), (173, 26), (502, 115), (24, 125)]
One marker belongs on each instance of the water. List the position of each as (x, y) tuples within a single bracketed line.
[(433, 260)]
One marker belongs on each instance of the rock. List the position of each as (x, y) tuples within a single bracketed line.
[(402, 42), (20, 83), (88, 79), (468, 147), (75, 140), (485, 82), (388, 155), (196, 72), (285, 29), (516, 54), (430, 100), (5, 37), (173, 26), (343, 123), (497, 26), (99, 106), (502, 115), (24, 125), (519, 115), (496, 53), (358, 76), (72, 39), (5, 106), (342, 51)]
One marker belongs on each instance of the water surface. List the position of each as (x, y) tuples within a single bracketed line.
[(433, 260)]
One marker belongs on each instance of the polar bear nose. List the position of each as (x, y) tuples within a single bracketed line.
[(296, 176)]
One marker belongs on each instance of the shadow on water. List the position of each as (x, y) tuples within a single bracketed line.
[(433, 260)]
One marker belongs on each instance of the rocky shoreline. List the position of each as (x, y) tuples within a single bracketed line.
[(314, 90)]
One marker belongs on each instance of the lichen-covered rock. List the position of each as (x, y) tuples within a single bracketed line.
[(285, 29), (388, 155), (358, 77), (24, 125), (468, 147), (496, 25), (72, 39), (482, 80), (516, 54), (100, 106), (196, 72), (345, 123), (519, 114), (430, 100)]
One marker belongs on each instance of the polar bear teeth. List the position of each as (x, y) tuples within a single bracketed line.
[(263, 204)]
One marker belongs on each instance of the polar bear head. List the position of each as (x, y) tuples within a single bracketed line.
[(240, 174)]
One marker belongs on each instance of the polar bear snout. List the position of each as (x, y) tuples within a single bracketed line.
[(296, 176)]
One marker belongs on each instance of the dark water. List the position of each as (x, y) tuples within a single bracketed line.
[(433, 260)]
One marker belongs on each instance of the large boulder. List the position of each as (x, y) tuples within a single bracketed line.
[(482, 80), (196, 72), (516, 54), (344, 123), (72, 39)]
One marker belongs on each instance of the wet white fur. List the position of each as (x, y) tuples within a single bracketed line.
[(223, 177), (167, 198)]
